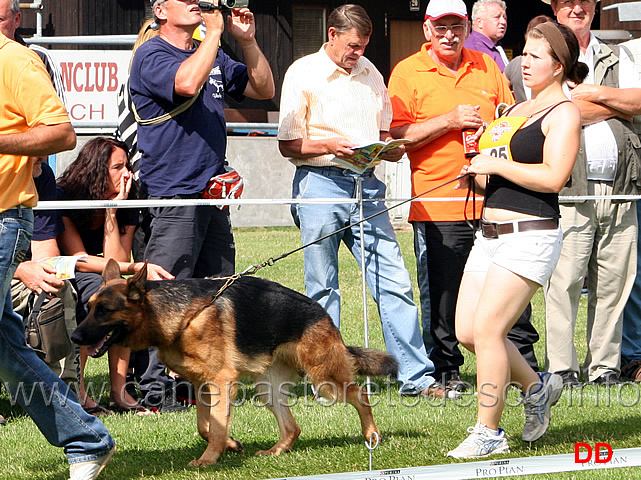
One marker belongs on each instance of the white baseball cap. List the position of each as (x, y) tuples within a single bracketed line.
[(439, 8), (548, 1)]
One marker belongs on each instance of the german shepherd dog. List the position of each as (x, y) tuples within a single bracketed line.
[(212, 336)]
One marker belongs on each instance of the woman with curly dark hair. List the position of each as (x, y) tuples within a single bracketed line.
[(102, 172)]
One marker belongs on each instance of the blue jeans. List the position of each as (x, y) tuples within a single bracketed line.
[(631, 342), (387, 278), (48, 401)]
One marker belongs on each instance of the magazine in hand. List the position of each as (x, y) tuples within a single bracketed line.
[(65, 266), (367, 154)]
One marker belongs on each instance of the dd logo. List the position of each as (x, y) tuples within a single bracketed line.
[(598, 457)]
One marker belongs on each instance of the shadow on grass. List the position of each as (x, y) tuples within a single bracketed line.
[(10, 412), (573, 421), (591, 431), (176, 460)]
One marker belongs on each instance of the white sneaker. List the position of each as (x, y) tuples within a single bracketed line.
[(91, 469), (481, 443), (537, 406)]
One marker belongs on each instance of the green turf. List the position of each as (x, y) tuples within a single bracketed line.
[(416, 432)]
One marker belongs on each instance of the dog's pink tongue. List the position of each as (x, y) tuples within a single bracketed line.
[(92, 350)]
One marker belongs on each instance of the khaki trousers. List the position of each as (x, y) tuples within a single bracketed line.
[(599, 237)]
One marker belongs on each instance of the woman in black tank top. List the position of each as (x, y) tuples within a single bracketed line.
[(526, 158)]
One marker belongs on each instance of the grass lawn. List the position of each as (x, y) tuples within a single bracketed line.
[(416, 432)]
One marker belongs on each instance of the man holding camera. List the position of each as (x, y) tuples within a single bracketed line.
[(180, 155)]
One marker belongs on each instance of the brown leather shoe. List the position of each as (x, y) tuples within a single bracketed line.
[(440, 391), (632, 371)]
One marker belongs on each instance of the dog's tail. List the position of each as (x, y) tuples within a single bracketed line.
[(373, 362)]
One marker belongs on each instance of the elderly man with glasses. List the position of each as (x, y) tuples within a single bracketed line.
[(599, 235), (436, 94)]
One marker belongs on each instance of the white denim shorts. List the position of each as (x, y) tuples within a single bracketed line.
[(532, 254)]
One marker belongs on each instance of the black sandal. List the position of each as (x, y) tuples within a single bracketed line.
[(137, 409)]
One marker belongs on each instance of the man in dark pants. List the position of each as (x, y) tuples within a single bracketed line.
[(181, 155)]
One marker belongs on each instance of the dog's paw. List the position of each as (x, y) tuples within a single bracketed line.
[(199, 462), (235, 446), (272, 451)]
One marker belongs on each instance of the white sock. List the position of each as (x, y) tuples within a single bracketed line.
[(493, 432)]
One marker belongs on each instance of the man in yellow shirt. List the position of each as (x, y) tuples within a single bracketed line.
[(34, 122)]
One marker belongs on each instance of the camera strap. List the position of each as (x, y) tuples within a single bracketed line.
[(163, 118)]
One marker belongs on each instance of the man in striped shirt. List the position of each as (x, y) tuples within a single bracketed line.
[(332, 101)]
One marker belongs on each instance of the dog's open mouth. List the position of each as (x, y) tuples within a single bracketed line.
[(99, 349)]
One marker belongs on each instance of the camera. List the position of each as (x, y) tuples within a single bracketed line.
[(223, 4)]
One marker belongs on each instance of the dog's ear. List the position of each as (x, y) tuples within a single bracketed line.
[(136, 285), (111, 271)]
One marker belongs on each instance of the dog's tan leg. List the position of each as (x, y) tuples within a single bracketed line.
[(273, 389), (214, 414), (357, 396), (330, 368), (203, 411), (344, 390)]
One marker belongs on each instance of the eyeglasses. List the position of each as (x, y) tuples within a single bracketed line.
[(572, 3), (441, 30)]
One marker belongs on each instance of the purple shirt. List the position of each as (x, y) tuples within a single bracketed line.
[(478, 41)]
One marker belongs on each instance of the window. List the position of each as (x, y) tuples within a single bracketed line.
[(308, 29)]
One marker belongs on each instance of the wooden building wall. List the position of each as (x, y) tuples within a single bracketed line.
[(610, 19), (274, 26), (86, 17)]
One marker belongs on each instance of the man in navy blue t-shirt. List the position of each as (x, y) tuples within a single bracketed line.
[(180, 155)]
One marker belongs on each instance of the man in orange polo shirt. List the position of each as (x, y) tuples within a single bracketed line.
[(436, 94)]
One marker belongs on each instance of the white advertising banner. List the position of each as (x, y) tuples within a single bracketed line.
[(91, 79), (525, 467)]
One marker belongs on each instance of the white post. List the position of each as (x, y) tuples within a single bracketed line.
[(37, 6), (359, 196)]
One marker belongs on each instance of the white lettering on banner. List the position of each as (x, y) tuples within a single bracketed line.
[(526, 466), (91, 79), (499, 471)]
